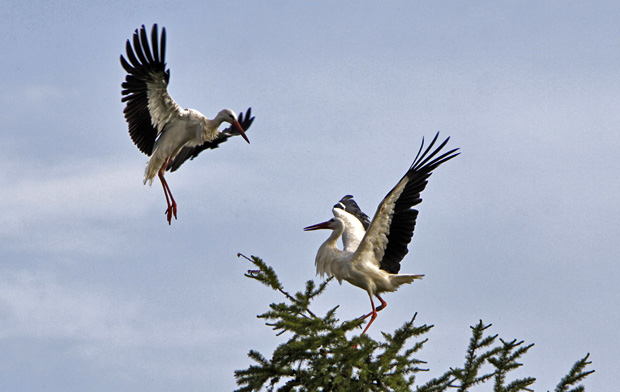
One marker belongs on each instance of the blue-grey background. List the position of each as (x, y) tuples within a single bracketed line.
[(97, 292)]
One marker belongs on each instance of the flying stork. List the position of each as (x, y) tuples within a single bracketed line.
[(373, 264), (158, 126)]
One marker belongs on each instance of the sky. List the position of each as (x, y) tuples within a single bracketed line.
[(98, 292)]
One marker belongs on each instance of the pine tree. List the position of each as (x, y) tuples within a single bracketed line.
[(319, 357)]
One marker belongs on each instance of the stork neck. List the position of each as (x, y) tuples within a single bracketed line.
[(213, 125), (352, 234), (335, 234), (210, 128), (353, 229), (329, 258)]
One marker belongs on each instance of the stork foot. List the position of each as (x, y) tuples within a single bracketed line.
[(171, 211)]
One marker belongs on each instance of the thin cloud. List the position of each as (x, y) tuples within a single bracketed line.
[(100, 326)]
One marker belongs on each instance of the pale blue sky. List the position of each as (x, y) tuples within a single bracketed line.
[(97, 292)]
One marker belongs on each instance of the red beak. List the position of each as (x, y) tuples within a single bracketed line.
[(318, 226), (238, 128)]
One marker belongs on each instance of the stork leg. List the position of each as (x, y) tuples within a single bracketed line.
[(172, 205), (373, 314), (379, 308)]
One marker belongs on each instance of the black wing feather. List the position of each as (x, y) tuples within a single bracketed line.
[(138, 48), (162, 50), (192, 152), (404, 217), (154, 40), (145, 46), (142, 65)]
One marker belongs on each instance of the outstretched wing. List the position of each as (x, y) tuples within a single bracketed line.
[(192, 152), (149, 106), (392, 226)]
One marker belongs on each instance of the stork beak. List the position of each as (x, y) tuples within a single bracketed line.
[(239, 129), (318, 226)]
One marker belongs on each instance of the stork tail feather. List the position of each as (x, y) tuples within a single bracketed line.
[(398, 280)]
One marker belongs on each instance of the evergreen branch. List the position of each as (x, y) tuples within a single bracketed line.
[(505, 361), (267, 276), (468, 375), (576, 374), (520, 385), (439, 384)]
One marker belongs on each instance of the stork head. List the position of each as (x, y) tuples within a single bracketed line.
[(347, 207), (227, 115)]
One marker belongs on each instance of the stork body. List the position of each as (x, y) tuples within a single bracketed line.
[(158, 126), (190, 129), (374, 264)]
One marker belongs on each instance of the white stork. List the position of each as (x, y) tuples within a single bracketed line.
[(373, 265), (158, 126)]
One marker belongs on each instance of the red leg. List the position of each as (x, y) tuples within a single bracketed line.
[(383, 304), (172, 205), (379, 308), (374, 311)]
